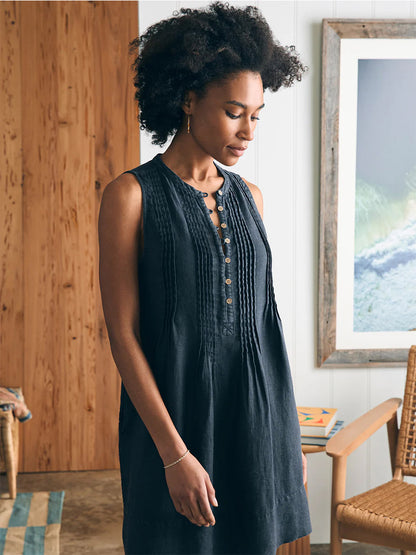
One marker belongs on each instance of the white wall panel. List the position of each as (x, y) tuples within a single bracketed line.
[(283, 161), (275, 173)]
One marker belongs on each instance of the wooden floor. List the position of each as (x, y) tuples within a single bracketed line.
[(92, 512), (353, 548)]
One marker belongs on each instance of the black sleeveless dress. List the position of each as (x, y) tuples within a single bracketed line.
[(212, 335)]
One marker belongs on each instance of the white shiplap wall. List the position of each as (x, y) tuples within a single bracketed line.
[(283, 161)]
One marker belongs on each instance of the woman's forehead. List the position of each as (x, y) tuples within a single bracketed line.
[(244, 89)]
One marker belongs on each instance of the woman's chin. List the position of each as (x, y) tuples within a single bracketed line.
[(228, 160)]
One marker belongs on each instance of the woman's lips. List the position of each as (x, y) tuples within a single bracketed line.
[(237, 151)]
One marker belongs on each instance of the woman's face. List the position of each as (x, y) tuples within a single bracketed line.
[(223, 121)]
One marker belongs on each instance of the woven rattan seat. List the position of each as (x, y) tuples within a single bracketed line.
[(391, 506), (384, 515)]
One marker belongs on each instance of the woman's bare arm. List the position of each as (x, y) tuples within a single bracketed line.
[(119, 225), (118, 230)]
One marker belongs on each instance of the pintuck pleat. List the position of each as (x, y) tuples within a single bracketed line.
[(204, 278), (246, 273), (210, 331), (163, 224), (270, 296)]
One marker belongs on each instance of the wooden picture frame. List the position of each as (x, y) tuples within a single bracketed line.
[(330, 351)]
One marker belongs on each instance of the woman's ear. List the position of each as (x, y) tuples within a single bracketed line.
[(188, 102)]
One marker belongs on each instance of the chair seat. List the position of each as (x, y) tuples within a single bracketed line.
[(388, 510)]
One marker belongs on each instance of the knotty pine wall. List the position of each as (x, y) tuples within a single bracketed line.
[(68, 126)]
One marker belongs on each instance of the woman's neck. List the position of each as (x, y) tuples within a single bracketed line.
[(188, 161)]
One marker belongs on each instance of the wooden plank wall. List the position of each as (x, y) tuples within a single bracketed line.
[(68, 126)]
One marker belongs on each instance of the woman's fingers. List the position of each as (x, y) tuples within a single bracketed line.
[(304, 468), (194, 515), (178, 506), (211, 492), (200, 510), (205, 510)]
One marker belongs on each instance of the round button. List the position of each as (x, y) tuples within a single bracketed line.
[(226, 240), (220, 208), (229, 300), (228, 260), (220, 192), (210, 211), (228, 281), (223, 225)]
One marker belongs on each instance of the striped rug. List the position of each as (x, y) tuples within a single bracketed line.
[(30, 524)]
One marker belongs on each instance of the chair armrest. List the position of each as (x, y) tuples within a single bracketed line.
[(352, 436)]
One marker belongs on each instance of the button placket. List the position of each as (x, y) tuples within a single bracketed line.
[(223, 240), (224, 243), (228, 296)]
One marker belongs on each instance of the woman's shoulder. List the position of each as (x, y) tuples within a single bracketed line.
[(120, 211), (121, 200), (256, 194), (253, 189), (122, 189), (126, 183), (124, 195)]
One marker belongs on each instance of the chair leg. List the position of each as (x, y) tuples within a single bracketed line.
[(11, 480), (336, 542), (9, 456), (339, 468)]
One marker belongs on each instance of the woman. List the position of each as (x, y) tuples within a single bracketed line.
[(207, 409)]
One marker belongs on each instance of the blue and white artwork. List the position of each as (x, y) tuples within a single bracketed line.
[(385, 197)]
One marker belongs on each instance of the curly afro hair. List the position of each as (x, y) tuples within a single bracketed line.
[(196, 47)]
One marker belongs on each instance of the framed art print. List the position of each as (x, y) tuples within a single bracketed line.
[(367, 266)]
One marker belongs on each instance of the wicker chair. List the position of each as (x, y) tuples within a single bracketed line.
[(386, 514)]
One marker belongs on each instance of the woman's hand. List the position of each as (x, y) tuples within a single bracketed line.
[(191, 490), (304, 467)]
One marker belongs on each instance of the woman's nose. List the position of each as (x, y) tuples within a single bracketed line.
[(247, 130)]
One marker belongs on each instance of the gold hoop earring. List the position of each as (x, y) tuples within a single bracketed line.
[(189, 124)]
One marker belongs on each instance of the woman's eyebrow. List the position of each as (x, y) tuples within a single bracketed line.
[(236, 103)]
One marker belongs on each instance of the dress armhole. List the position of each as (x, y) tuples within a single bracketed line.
[(262, 228), (253, 205), (143, 215)]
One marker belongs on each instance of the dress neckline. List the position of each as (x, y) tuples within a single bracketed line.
[(224, 174)]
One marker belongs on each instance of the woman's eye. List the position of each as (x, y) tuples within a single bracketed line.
[(230, 115), (255, 117)]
